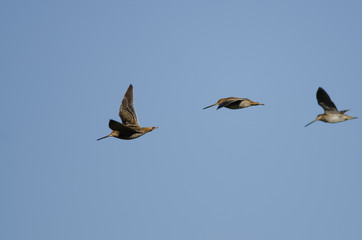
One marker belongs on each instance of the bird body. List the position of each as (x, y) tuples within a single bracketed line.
[(334, 118), (125, 132), (129, 128), (331, 114), (234, 103)]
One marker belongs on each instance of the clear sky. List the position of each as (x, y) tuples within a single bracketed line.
[(254, 174)]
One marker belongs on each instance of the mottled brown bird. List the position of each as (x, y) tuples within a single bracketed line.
[(234, 103), (331, 114), (129, 128)]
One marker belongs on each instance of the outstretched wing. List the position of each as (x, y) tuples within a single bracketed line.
[(230, 100), (117, 126), (325, 101), (127, 112)]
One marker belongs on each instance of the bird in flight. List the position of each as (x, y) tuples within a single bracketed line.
[(234, 103), (331, 114), (129, 128)]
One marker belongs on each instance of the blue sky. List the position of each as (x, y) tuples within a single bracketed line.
[(255, 173)]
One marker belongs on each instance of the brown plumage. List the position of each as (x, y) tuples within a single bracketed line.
[(129, 128), (234, 103), (331, 113)]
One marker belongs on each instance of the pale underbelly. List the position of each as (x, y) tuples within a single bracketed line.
[(335, 118)]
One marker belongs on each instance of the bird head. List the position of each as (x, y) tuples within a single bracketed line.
[(149, 129), (221, 100), (218, 102)]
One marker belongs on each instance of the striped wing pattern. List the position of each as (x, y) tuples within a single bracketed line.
[(127, 112)]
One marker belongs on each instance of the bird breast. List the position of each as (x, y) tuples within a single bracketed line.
[(334, 118)]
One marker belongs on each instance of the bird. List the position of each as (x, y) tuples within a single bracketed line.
[(129, 128), (234, 103), (331, 114)]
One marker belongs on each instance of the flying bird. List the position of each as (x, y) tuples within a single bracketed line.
[(129, 128), (234, 103), (331, 114)]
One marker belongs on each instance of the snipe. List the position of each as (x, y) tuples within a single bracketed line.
[(129, 128), (234, 103), (331, 114)]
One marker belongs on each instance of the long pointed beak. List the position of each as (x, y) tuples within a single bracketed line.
[(210, 105), (103, 137), (311, 122)]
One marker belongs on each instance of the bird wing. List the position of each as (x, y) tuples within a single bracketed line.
[(117, 126), (325, 101), (127, 112), (229, 101)]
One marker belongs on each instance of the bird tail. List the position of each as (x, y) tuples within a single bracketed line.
[(104, 137)]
